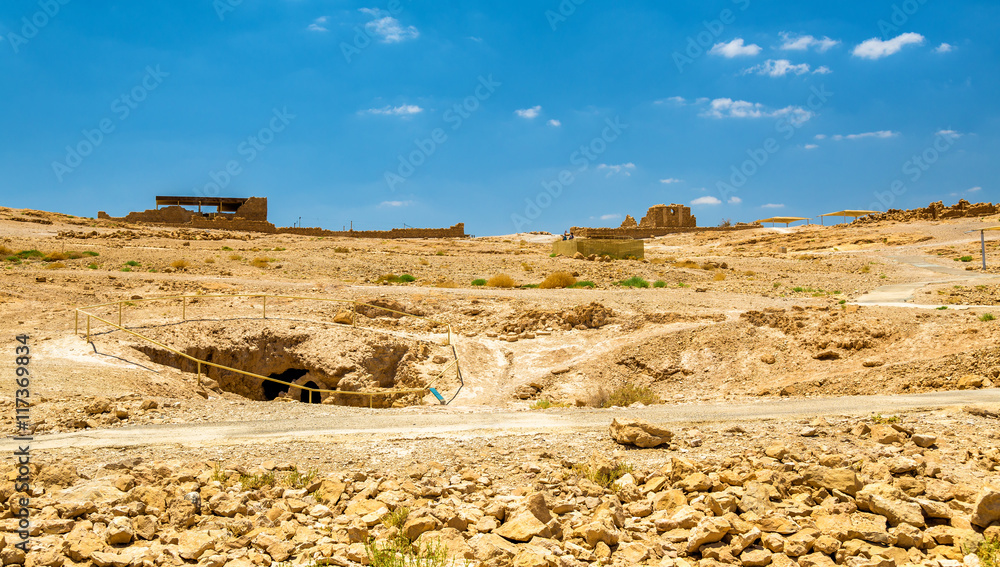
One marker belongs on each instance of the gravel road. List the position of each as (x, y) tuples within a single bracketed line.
[(458, 420)]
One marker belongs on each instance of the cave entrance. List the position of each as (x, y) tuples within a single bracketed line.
[(308, 397), (273, 389)]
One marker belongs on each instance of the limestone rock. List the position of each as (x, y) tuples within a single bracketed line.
[(417, 524), (887, 500), (639, 433), (756, 558), (844, 480), (529, 520), (120, 531), (709, 530), (986, 509), (192, 544)]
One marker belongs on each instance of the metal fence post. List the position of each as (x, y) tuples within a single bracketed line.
[(184, 310), (265, 307), (199, 373), (982, 238), (119, 313)]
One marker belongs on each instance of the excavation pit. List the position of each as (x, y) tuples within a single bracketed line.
[(347, 361)]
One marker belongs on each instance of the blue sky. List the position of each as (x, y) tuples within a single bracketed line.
[(508, 116)]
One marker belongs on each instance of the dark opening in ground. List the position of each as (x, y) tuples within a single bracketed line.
[(273, 389), (308, 397)]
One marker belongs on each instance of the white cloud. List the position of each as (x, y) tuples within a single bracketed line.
[(782, 67), (875, 48), (679, 100), (395, 204), (974, 190), (729, 108), (944, 48), (820, 136), (671, 180), (735, 48), (949, 134), (319, 24), (610, 217), (387, 28), (773, 206), (554, 123), (881, 134), (402, 110), (777, 68), (706, 201), (803, 42), (810, 146), (529, 113), (624, 168), (734, 201)]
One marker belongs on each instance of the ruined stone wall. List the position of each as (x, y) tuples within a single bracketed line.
[(667, 216), (456, 231), (651, 232), (660, 220), (934, 211), (167, 215), (252, 217), (255, 209)]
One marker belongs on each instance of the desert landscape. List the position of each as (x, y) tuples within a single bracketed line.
[(811, 396)]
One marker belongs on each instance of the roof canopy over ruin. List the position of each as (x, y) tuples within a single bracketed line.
[(223, 204)]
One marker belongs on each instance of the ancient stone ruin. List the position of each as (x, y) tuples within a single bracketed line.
[(934, 211), (660, 220), (250, 214)]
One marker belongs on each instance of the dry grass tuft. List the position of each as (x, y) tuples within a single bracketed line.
[(180, 264), (235, 257), (719, 276), (4, 251), (262, 263), (56, 265), (209, 260), (629, 394), (686, 264), (448, 284), (558, 280), (502, 280)]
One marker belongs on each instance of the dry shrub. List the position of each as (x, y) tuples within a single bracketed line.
[(502, 280), (209, 260), (55, 265), (260, 262), (179, 264), (629, 394), (446, 284), (55, 257), (719, 276), (558, 280), (235, 257), (598, 398), (4, 251), (687, 264)]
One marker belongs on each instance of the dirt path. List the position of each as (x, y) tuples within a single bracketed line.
[(901, 295), (458, 421)]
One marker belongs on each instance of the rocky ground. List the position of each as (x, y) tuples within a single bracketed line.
[(738, 317)]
